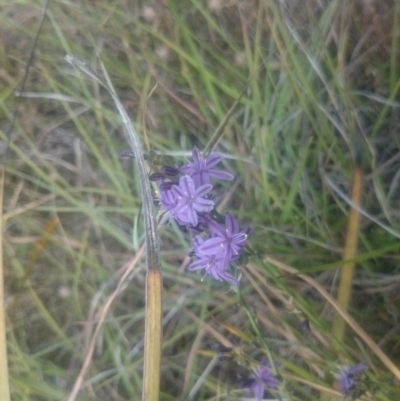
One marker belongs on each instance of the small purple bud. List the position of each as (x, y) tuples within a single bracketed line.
[(167, 185), (156, 176), (170, 171)]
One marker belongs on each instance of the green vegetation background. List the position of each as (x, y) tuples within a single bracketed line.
[(322, 81)]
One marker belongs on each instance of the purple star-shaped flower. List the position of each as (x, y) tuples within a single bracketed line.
[(201, 169), (213, 265), (263, 378), (348, 377), (228, 241), (189, 201)]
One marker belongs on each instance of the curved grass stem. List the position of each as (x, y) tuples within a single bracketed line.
[(153, 335)]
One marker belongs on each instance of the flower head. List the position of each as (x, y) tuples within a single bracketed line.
[(213, 265), (228, 241), (183, 202), (189, 201), (224, 247), (348, 377), (201, 169), (263, 379)]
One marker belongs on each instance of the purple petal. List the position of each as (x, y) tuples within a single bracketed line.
[(215, 228), (258, 390), (182, 214), (203, 190), (234, 253), (212, 160), (270, 380), (187, 169), (192, 217), (203, 205), (229, 278), (197, 241), (213, 246), (228, 256), (197, 264), (187, 185), (201, 178), (196, 156), (238, 241), (347, 384), (360, 367), (177, 192), (232, 226), (168, 200), (221, 175)]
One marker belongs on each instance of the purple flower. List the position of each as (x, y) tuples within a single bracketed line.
[(213, 265), (226, 242), (187, 201), (201, 168), (348, 377), (263, 379)]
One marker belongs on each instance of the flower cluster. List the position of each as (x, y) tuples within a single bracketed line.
[(187, 200)]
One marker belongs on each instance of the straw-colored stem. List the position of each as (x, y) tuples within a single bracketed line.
[(347, 269), (153, 338), (4, 386)]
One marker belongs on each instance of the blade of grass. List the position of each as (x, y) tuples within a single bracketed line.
[(347, 269), (220, 129), (153, 330)]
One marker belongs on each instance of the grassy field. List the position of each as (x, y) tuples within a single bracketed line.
[(317, 84)]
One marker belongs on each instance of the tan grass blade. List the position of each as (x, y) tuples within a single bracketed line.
[(350, 251), (4, 386), (152, 351)]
